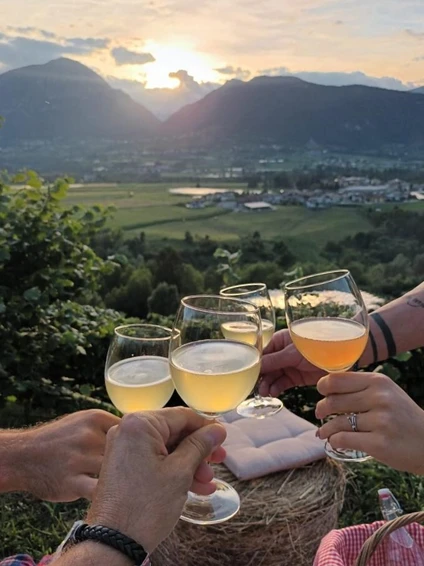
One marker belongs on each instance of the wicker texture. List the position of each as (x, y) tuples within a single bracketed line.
[(373, 542), (282, 520)]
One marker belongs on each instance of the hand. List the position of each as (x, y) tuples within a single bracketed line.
[(283, 366), (62, 459), (390, 424), (152, 460)]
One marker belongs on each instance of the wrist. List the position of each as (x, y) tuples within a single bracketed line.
[(91, 552), (14, 459), (138, 532)]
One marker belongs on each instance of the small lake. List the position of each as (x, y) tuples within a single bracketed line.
[(199, 192)]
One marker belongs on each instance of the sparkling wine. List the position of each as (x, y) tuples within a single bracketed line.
[(332, 344), (214, 376), (141, 383), (247, 332)]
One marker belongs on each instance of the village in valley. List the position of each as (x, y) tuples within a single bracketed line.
[(351, 191)]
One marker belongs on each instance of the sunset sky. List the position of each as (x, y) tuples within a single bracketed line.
[(221, 39)]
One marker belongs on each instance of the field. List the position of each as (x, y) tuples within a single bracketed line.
[(152, 209)]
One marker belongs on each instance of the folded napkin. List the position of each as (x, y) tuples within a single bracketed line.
[(257, 447)]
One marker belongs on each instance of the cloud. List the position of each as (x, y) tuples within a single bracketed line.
[(124, 56), (165, 101), (237, 72), (415, 34), (341, 79), (16, 51)]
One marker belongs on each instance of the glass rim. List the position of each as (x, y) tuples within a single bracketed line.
[(168, 331), (251, 307), (255, 287), (335, 274)]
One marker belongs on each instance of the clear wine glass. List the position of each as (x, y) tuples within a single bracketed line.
[(328, 323), (257, 293), (213, 375), (137, 374)]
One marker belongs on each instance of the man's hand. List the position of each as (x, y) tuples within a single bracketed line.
[(152, 460), (390, 425), (60, 461), (284, 367)]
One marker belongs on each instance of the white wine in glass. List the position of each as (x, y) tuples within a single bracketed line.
[(256, 293), (137, 375), (331, 336), (213, 375)]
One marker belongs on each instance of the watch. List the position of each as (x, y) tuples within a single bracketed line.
[(81, 532)]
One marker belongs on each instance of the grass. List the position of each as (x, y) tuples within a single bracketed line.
[(37, 528), (162, 216)]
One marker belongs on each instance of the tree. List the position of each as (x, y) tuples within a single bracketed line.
[(229, 266), (282, 254), (132, 298), (164, 300)]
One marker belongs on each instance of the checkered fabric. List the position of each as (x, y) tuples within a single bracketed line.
[(24, 560), (342, 547)]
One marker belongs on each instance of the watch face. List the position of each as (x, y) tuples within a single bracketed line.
[(69, 539)]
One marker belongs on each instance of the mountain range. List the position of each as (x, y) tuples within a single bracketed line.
[(65, 100)]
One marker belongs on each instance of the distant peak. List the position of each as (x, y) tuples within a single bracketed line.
[(265, 79)]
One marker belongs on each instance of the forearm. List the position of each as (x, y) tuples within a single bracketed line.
[(13, 461), (90, 553), (405, 319)]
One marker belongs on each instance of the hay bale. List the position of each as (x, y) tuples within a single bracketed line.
[(282, 519)]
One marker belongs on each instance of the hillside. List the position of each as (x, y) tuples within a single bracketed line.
[(292, 112), (64, 99)]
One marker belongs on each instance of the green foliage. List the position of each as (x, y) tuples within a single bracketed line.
[(52, 334), (132, 297), (228, 268), (164, 300)]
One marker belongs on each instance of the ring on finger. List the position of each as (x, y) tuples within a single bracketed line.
[(353, 421)]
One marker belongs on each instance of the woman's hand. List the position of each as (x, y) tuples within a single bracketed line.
[(390, 425), (284, 367)]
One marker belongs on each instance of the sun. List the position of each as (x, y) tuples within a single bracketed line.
[(172, 58)]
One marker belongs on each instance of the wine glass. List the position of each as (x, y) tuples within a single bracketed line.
[(328, 324), (213, 375), (257, 293), (137, 375)]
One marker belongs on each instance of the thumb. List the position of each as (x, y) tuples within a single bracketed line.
[(288, 357), (199, 445)]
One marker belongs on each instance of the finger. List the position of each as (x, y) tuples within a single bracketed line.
[(197, 446), (278, 342), (84, 486), (358, 402), (177, 422), (203, 488), (204, 473), (287, 357), (341, 424), (92, 465), (361, 441), (100, 420), (347, 382), (218, 455)]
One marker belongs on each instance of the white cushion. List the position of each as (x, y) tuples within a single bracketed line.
[(258, 447)]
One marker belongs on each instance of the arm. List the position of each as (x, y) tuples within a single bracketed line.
[(405, 319), (152, 460), (92, 554), (13, 464)]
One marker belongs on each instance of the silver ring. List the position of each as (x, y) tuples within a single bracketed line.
[(353, 421)]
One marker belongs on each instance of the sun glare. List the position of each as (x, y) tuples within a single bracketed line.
[(172, 58)]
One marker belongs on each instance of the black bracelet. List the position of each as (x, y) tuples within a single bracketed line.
[(387, 333), (112, 538), (374, 349)]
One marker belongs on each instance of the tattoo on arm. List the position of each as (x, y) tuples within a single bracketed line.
[(415, 302)]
